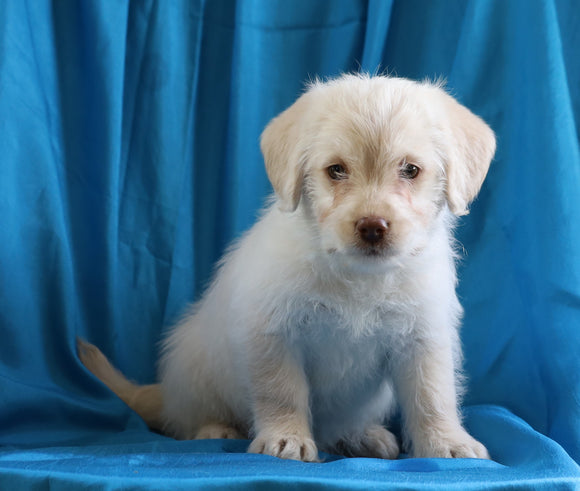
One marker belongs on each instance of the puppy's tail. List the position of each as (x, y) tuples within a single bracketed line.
[(145, 400)]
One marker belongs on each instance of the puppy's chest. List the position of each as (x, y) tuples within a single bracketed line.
[(339, 344)]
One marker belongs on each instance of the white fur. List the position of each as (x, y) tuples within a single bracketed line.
[(305, 339)]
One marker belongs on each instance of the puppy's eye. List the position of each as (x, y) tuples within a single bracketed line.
[(337, 172), (409, 171)]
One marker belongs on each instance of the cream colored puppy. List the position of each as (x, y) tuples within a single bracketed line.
[(340, 302)]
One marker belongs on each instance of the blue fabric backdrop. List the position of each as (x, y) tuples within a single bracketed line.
[(129, 158)]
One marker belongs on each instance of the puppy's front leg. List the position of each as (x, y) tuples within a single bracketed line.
[(425, 382), (280, 397)]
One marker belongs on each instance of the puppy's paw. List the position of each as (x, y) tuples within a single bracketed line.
[(375, 442), (215, 431), (458, 444), (294, 447)]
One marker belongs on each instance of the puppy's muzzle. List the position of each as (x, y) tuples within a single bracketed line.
[(372, 230)]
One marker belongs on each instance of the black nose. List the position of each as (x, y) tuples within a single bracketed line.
[(372, 229)]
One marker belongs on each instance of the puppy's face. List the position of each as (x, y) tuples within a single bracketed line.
[(374, 161), (373, 184)]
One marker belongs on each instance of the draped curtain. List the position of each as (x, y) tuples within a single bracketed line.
[(129, 159)]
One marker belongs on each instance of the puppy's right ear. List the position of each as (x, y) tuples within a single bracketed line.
[(284, 149)]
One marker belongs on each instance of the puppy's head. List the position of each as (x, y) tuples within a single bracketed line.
[(374, 160)]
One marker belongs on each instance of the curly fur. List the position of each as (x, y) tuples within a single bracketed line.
[(309, 334)]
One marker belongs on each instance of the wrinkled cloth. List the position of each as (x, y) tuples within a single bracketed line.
[(129, 159)]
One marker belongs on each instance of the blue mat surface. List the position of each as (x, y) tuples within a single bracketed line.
[(129, 159)]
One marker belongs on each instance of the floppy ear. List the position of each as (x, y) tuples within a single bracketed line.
[(284, 149), (471, 146)]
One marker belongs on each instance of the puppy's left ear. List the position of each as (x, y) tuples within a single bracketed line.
[(284, 149), (470, 149)]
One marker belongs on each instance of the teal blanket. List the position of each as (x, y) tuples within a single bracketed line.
[(129, 159)]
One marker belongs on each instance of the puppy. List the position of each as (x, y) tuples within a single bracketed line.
[(340, 302)]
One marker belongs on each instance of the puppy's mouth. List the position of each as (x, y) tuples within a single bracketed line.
[(371, 252)]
